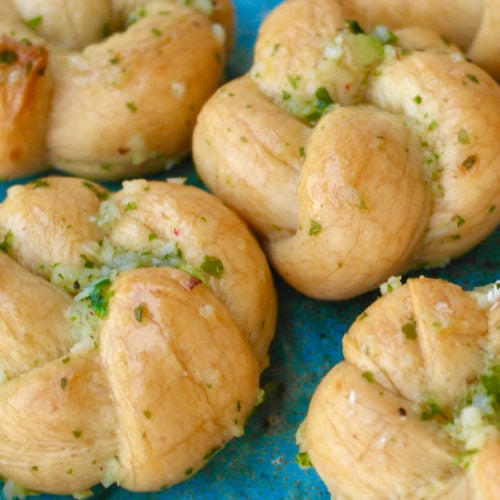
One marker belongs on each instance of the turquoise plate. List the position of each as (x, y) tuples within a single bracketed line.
[(261, 464)]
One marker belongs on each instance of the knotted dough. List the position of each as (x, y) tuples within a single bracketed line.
[(413, 410), (134, 327), (355, 155), (106, 89)]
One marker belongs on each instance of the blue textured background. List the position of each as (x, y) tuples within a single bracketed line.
[(261, 464)]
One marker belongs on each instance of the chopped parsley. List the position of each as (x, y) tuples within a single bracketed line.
[(8, 56), (321, 104), (463, 136), (353, 26), (314, 228), (459, 220), (293, 81), (101, 195), (410, 330), (472, 78), (106, 30), (303, 460), (34, 22), (131, 107), (131, 205), (139, 312), (39, 183), (6, 243), (212, 266), (212, 452), (431, 411), (491, 384), (98, 297), (469, 162)]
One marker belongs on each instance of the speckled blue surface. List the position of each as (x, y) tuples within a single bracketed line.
[(261, 464)]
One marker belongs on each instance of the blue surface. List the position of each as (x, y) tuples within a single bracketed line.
[(261, 464)]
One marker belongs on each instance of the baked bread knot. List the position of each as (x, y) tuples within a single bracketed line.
[(414, 409), (134, 328), (355, 155), (106, 89)]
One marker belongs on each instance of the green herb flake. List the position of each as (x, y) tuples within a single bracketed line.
[(303, 460), (147, 414), (293, 81), (77, 433), (212, 266), (101, 195), (323, 96), (139, 313), (39, 183), (99, 297), (463, 460), (131, 107), (410, 330), (459, 220), (368, 376), (106, 30), (302, 151), (353, 26), (321, 104), (285, 95), (431, 411), (212, 452), (491, 383), (463, 136), (469, 162), (88, 264), (63, 383), (314, 228), (131, 205), (445, 40), (6, 243), (156, 32), (417, 99), (8, 56), (34, 22), (188, 472), (472, 78), (433, 125)]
